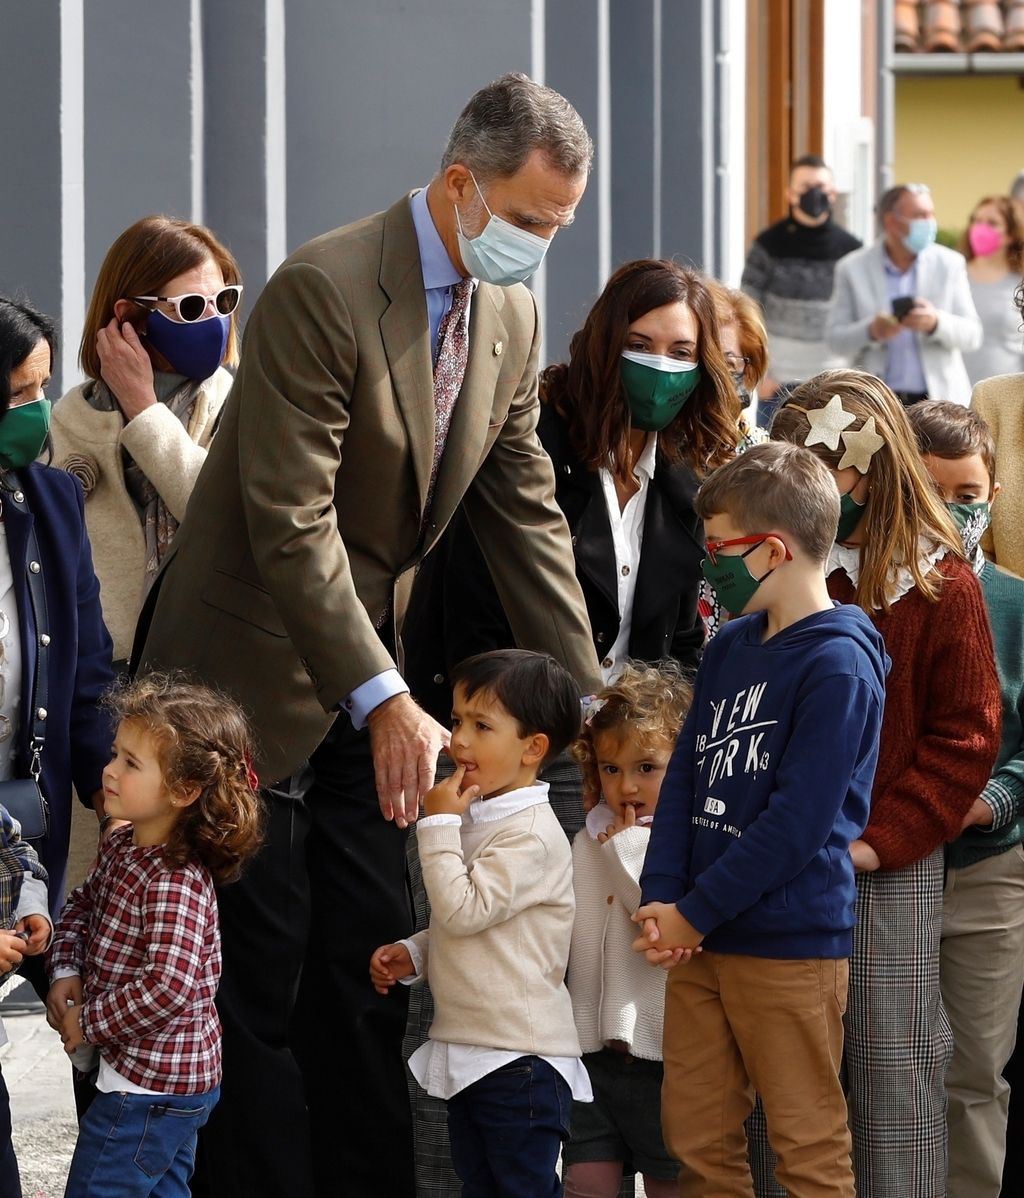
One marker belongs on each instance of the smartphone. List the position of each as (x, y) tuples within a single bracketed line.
[(901, 305)]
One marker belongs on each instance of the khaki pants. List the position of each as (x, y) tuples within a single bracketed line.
[(981, 972), (735, 1025)]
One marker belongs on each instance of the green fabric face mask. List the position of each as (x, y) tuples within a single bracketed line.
[(731, 578), (971, 519), (656, 388), (850, 514), (23, 433)]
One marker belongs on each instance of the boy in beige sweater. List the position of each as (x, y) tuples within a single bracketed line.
[(503, 1049)]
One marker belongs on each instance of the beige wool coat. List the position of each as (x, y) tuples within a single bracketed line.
[(88, 444), (999, 401)]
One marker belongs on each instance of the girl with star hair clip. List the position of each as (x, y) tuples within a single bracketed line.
[(899, 557)]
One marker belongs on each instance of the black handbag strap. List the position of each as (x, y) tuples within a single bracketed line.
[(15, 496)]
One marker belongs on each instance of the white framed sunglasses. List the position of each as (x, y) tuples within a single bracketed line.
[(191, 306)]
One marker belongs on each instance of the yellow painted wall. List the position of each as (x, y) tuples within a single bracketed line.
[(963, 135)]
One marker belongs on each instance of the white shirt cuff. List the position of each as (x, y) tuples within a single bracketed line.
[(64, 973), (417, 962), (372, 693)]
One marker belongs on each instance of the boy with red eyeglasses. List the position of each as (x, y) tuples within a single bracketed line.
[(748, 886)]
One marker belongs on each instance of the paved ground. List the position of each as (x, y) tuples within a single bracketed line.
[(38, 1076)]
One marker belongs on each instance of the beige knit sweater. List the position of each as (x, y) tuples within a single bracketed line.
[(616, 995), (88, 445), (999, 401), (501, 919)]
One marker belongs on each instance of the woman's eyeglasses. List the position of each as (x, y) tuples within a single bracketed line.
[(191, 307), (735, 363)]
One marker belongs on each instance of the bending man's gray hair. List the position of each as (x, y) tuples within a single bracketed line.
[(510, 118)]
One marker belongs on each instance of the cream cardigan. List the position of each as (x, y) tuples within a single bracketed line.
[(616, 995), (501, 912), (999, 402), (88, 444)]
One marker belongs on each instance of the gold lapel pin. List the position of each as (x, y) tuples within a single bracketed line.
[(498, 347)]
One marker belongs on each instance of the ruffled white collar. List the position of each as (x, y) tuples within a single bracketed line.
[(901, 580)]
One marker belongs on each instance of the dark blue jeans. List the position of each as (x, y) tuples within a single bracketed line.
[(506, 1130), (138, 1145)]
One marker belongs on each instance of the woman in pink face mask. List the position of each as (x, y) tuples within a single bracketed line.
[(993, 245)]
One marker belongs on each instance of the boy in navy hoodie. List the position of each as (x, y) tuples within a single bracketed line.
[(748, 885)]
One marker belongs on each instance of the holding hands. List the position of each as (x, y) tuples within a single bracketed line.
[(666, 936), (388, 964)]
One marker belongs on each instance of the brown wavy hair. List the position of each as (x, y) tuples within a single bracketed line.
[(646, 702), (902, 506), (146, 256), (588, 394), (1012, 213), (203, 742)]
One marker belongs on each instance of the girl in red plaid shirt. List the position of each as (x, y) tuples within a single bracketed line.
[(136, 959)]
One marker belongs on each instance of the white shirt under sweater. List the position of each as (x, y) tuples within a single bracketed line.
[(500, 884), (627, 526), (616, 994)]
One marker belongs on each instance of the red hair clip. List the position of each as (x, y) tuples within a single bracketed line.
[(250, 775)]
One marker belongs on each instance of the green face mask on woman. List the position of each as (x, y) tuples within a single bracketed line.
[(656, 388), (23, 432)]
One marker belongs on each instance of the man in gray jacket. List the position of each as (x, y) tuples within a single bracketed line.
[(902, 307)]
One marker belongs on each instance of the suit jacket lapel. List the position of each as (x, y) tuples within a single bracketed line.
[(671, 544), (405, 331), (473, 408), (595, 546), (878, 277)]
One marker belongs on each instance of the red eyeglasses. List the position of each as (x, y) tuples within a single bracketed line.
[(713, 547)]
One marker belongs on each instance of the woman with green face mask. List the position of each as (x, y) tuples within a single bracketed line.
[(644, 407), (51, 626)]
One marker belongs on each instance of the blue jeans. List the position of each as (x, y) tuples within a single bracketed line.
[(137, 1145), (506, 1130)]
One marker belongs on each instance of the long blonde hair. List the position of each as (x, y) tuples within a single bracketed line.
[(903, 507)]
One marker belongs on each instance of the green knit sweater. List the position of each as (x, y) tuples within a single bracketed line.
[(1004, 793)]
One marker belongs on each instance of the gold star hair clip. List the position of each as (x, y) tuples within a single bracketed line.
[(828, 427)]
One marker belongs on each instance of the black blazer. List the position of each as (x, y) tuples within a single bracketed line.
[(78, 730), (455, 611)]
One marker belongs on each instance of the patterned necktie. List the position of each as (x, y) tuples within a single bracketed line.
[(449, 369)]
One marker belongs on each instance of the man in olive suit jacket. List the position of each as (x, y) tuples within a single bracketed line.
[(359, 420)]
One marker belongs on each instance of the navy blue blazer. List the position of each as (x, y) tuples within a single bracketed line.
[(78, 732)]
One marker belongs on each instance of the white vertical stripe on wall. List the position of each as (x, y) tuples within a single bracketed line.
[(708, 118), (604, 145), (198, 106), (538, 65), (72, 186), (656, 130), (275, 157)]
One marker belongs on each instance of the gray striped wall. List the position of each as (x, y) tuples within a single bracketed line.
[(273, 120)]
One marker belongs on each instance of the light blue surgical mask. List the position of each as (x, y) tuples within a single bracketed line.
[(921, 234), (500, 253)]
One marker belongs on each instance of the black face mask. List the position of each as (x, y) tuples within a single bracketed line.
[(814, 202)]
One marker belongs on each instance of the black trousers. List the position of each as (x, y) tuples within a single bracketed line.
[(314, 1100)]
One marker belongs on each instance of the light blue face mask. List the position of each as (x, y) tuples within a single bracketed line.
[(921, 234), (500, 253)]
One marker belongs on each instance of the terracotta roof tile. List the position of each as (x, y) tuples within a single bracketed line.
[(959, 26)]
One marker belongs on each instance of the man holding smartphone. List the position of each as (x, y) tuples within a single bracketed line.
[(902, 307)]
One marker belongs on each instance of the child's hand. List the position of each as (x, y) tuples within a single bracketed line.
[(389, 963), (12, 950), (865, 859), (62, 992), (626, 820), (667, 937), (39, 930), (71, 1029), (448, 797)]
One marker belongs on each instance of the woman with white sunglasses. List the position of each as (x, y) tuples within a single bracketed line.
[(161, 326)]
